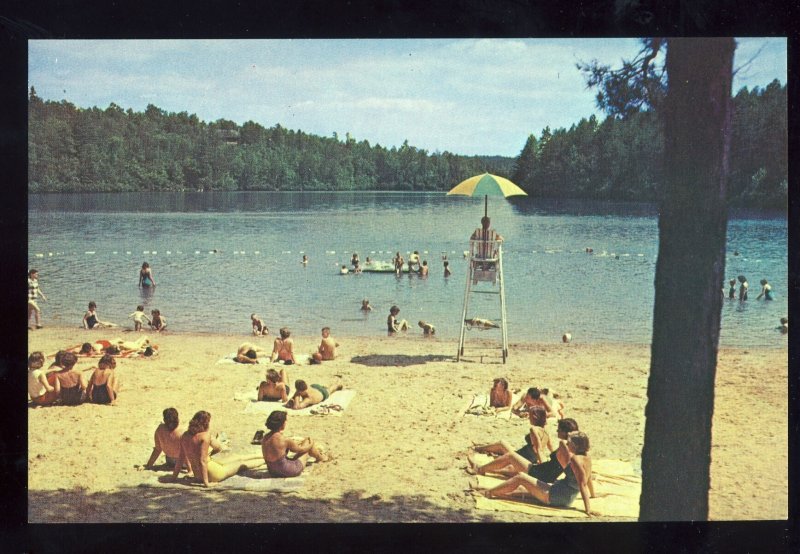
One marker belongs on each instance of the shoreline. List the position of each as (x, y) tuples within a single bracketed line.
[(412, 335), (399, 448)]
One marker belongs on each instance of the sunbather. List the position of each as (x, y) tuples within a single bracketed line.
[(499, 396), (578, 478), (283, 348), (275, 387), (509, 463), (167, 439), (248, 353), (195, 444), (306, 396), (103, 386), (275, 448), (533, 397)]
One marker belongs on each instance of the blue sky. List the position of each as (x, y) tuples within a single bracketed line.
[(466, 96)]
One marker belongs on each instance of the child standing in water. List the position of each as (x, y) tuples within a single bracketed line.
[(139, 317), (447, 271), (743, 289), (732, 289), (158, 322)]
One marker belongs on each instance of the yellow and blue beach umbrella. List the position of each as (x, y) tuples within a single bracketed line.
[(487, 185)]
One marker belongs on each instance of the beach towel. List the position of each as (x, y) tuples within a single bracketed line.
[(336, 404), (254, 480), (616, 485), (478, 405)]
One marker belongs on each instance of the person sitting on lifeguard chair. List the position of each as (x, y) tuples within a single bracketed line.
[(485, 245)]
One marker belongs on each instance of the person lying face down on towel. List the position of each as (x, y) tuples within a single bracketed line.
[(275, 448), (248, 353), (195, 444), (306, 396)]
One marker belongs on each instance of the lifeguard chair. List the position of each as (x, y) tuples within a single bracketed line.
[(485, 265)]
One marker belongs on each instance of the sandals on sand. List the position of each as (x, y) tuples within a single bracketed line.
[(326, 409)]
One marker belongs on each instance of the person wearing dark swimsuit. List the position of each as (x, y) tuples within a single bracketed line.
[(102, 384), (275, 448), (574, 457), (70, 386)]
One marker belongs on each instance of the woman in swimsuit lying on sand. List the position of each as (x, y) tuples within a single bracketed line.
[(275, 447), (195, 444), (577, 478)]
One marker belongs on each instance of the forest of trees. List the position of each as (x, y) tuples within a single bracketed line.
[(622, 158), (73, 149)]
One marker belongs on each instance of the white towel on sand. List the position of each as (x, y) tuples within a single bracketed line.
[(340, 398)]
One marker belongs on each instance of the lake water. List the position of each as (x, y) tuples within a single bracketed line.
[(91, 246)]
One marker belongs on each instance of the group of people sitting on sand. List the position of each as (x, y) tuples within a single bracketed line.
[(62, 384), (156, 322), (283, 349), (538, 464), (193, 449)]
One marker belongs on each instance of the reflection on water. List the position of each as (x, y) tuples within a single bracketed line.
[(220, 256)]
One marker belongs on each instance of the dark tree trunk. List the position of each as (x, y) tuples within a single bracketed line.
[(689, 277)]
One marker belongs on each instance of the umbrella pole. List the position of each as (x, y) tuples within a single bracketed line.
[(485, 205)]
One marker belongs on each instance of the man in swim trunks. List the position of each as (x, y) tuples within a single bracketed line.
[(327, 348), (275, 447), (306, 396)]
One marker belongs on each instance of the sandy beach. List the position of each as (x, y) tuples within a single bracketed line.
[(400, 447)]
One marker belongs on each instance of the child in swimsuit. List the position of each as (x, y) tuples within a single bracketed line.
[(159, 322), (259, 327), (139, 317)]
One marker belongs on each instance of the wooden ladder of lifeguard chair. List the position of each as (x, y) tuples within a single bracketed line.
[(485, 266)]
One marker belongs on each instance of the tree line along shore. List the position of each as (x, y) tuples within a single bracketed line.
[(74, 149)]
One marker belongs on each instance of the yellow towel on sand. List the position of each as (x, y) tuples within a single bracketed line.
[(616, 486)]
